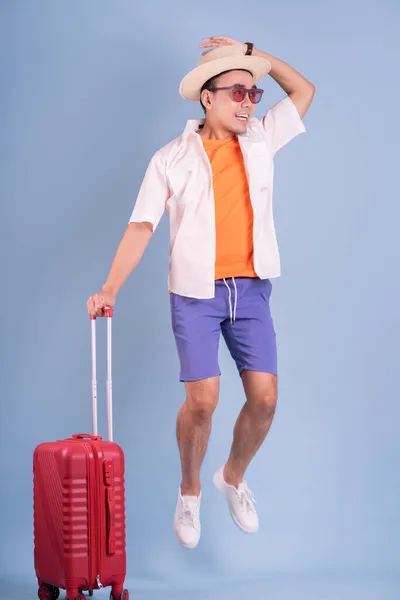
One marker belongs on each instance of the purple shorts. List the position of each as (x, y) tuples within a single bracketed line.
[(241, 311)]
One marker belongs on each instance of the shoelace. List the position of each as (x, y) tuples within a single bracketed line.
[(246, 498), (190, 513)]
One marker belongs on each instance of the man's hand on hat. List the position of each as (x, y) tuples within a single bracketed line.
[(220, 40)]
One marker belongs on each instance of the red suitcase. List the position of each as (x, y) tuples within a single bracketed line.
[(79, 507)]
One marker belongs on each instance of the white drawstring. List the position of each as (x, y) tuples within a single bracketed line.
[(229, 299), (232, 313), (235, 305)]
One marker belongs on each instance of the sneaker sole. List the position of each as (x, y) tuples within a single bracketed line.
[(220, 485), (186, 546)]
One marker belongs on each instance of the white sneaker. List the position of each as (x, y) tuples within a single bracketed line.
[(241, 502), (187, 520)]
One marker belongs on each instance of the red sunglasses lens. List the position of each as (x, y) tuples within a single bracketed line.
[(239, 94), (255, 96)]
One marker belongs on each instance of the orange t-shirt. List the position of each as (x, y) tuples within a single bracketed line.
[(233, 209)]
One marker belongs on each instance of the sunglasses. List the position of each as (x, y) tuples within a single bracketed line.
[(239, 93)]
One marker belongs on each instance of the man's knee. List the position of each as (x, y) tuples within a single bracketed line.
[(202, 397), (262, 392), (268, 401)]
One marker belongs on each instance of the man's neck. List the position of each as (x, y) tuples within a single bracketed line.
[(211, 131)]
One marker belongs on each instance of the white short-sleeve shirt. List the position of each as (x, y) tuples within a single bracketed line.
[(179, 180)]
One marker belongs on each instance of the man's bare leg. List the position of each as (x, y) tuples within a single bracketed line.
[(252, 424), (193, 430)]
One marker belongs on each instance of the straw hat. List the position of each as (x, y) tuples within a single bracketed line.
[(215, 62)]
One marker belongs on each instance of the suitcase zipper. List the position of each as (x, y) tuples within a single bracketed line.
[(95, 562), (94, 516), (98, 516)]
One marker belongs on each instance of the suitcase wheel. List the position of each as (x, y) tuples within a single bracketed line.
[(123, 596), (48, 592)]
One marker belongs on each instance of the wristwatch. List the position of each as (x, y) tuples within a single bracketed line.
[(250, 47)]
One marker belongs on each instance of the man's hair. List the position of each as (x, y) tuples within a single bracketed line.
[(210, 83)]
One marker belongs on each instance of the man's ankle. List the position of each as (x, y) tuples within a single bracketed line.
[(190, 490), (232, 478)]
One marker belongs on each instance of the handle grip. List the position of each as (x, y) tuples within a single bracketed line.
[(83, 436), (108, 312), (108, 472), (110, 500)]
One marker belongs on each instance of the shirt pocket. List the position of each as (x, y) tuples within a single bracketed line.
[(261, 171), (181, 177)]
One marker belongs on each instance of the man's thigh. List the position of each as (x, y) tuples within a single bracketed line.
[(251, 339), (197, 333)]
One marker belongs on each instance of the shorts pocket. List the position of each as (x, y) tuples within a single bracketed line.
[(174, 298), (179, 302), (266, 289)]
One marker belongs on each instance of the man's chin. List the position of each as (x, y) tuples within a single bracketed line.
[(239, 126)]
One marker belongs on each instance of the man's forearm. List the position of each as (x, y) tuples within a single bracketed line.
[(288, 78), (298, 88), (128, 255)]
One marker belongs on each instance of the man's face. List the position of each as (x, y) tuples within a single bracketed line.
[(225, 111)]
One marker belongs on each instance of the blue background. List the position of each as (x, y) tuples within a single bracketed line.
[(89, 91)]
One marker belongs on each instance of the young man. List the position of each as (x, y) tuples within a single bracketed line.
[(215, 181)]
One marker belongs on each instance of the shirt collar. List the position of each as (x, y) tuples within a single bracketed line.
[(192, 126)]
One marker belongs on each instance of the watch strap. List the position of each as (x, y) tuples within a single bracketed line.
[(250, 47)]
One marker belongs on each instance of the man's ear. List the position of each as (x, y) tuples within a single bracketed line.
[(206, 98)]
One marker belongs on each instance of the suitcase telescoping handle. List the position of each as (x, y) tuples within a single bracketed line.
[(108, 313)]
